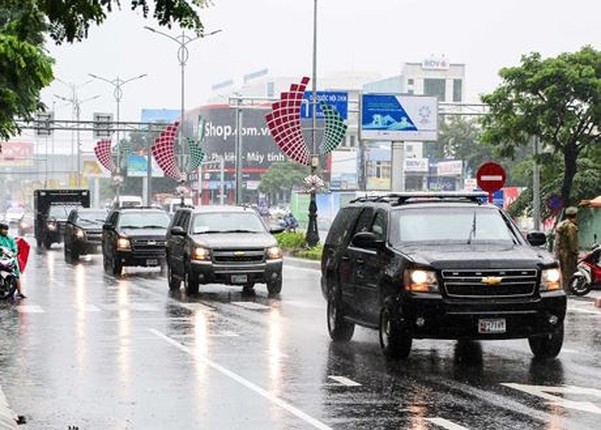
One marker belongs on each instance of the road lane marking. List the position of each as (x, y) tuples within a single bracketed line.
[(251, 306), (450, 425), (245, 382), (87, 308), (344, 381), (30, 309), (545, 393)]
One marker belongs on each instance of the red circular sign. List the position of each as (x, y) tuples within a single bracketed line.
[(490, 177)]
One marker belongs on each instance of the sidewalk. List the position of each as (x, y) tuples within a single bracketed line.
[(594, 297)]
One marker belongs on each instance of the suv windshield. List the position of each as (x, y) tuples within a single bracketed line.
[(144, 220), (92, 216), (60, 212), (227, 222), (452, 224)]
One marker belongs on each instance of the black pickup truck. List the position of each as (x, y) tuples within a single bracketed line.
[(52, 207)]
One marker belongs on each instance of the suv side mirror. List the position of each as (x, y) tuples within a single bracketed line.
[(536, 238), (107, 226), (367, 240), (177, 231)]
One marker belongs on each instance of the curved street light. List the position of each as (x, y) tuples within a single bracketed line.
[(117, 84), (182, 56)]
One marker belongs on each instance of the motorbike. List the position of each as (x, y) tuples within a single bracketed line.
[(289, 222), (588, 272), (8, 273)]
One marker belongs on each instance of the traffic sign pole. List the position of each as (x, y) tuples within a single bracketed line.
[(490, 177)]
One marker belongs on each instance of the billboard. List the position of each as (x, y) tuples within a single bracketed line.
[(399, 117), (14, 154), (137, 165), (160, 115)]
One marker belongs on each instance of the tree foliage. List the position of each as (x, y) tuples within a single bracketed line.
[(282, 177), (557, 100), (25, 67)]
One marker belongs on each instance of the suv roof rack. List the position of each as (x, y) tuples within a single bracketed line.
[(403, 197)]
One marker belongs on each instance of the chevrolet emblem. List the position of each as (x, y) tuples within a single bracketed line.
[(491, 280), (239, 253), (152, 242)]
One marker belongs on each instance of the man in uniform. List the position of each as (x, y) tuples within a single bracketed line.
[(566, 246)]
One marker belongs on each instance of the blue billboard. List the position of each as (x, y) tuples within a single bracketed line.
[(399, 117)]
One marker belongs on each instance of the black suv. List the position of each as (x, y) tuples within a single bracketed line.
[(134, 236), (439, 265), (83, 232), (222, 244)]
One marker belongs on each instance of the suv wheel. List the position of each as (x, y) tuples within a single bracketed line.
[(74, 254), (394, 339), (47, 243), (116, 266), (190, 283), (67, 254), (338, 328), (548, 345), (174, 283), (274, 287)]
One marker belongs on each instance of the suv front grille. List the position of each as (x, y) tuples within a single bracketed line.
[(147, 245), (489, 283), (237, 256)]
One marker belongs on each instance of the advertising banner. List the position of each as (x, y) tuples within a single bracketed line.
[(449, 168), (137, 165), (399, 117), (16, 154), (416, 165)]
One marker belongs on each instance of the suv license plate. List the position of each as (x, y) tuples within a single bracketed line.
[(152, 262), (491, 326), (239, 279)]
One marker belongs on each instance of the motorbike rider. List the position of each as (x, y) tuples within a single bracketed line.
[(566, 243), (10, 243)]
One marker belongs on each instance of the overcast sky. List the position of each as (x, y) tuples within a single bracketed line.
[(353, 36)]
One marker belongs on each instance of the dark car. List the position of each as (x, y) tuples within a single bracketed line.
[(25, 225), (444, 266), (134, 236), (55, 223), (222, 244), (83, 232)]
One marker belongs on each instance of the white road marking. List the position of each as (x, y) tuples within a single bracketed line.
[(446, 424), (544, 392), (266, 394), (196, 307), (30, 309), (345, 381), (584, 311), (251, 305)]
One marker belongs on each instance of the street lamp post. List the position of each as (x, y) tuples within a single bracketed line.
[(182, 56), (76, 103), (312, 235), (117, 84)]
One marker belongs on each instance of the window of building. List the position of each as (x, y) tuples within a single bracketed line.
[(435, 87), (457, 90), (352, 142), (410, 92), (270, 89), (410, 81), (382, 169)]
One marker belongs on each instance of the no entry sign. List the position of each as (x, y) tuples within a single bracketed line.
[(490, 177)]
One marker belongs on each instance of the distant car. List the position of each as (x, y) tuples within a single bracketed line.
[(171, 205), (127, 202), (55, 223), (222, 244), (83, 232), (134, 236), (25, 225), (13, 216)]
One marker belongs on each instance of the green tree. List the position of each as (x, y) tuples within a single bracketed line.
[(557, 99), (279, 181), (25, 68)]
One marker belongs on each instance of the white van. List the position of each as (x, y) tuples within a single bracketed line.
[(172, 204), (127, 202)]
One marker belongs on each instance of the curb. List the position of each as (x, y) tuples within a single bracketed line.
[(7, 416), (302, 262)]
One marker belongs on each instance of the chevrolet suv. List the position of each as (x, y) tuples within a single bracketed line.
[(222, 244), (134, 236), (83, 232), (439, 265)]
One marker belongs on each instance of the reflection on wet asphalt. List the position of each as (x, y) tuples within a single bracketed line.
[(88, 350)]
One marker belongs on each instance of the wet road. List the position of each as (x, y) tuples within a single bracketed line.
[(90, 351)]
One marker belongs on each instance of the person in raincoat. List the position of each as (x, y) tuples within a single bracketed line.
[(9, 242), (566, 246)]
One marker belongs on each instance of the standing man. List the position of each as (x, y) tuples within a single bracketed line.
[(566, 246)]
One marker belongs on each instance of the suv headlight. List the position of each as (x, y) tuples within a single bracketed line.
[(420, 281), (79, 233), (201, 253), (273, 253), (123, 244), (51, 225), (550, 280)]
